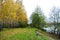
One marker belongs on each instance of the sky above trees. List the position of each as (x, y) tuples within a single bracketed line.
[(45, 5)]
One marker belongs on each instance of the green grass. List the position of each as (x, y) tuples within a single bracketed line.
[(21, 34)]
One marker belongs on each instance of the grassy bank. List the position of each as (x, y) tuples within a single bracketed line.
[(21, 34)]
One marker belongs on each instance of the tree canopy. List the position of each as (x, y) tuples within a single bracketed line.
[(12, 13), (37, 18), (55, 17)]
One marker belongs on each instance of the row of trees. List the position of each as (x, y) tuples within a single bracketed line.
[(12, 14)]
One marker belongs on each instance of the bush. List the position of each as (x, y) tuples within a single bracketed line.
[(22, 24)]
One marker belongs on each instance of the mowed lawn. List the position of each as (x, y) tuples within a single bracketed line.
[(21, 34)]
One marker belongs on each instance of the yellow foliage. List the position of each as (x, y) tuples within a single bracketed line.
[(13, 12)]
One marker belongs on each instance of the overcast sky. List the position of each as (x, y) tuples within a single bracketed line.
[(45, 5)]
